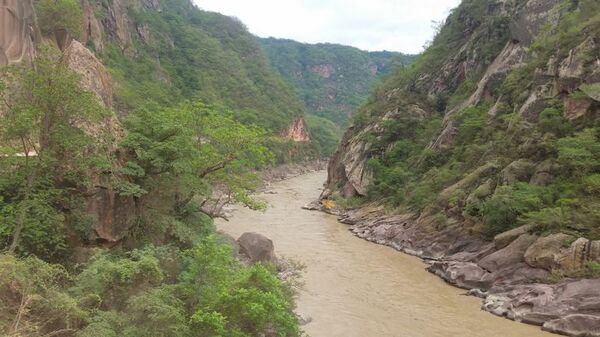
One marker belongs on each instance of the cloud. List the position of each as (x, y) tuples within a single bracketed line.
[(398, 25)]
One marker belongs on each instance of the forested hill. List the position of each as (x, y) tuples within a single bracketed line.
[(333, 80), (168, 51)]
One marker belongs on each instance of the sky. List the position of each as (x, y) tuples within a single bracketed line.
[(394, 25)]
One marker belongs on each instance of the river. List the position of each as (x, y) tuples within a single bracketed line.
[(354, 288)]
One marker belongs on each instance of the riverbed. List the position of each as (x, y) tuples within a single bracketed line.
[(354, 288)]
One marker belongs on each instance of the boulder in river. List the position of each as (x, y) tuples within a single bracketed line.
[(257, 247)]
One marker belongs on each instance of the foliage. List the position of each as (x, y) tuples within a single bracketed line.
[(324, 134), (33, 301), (155, 291), (204, 56), (58, 15), (430, 161), (332, 80), (46, 155)]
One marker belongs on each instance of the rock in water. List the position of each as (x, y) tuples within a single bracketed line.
[(257, 247)]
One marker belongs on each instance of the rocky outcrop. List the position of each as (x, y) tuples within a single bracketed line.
[(17, 31), (257, 248), (92, 28), (519, 170), (546, 251), (347, 171), (508, 256), (323, 70), (113, 214), (297, 131), (94, 76)]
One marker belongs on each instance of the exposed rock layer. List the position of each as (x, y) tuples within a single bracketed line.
[(297, 131)]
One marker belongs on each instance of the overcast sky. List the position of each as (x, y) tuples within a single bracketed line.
[(396, 25)]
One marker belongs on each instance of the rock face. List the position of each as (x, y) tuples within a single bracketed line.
[(17, 31), (347, 168), (297, 131), (113, 214), (323, 70), (257, 247), (94, 76)]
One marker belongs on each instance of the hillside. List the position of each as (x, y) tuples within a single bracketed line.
[(491, 134), (125, 125), (170, 51), (332, 80)]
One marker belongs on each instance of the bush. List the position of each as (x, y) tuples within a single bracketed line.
[(502, 210), (55, 15)]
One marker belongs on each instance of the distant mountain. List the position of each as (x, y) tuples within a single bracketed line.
[(333, 80)]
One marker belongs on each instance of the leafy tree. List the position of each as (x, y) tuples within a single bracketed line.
[(46, 153), (57, 15)]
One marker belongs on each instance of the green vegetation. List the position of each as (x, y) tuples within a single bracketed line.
[(59, 15), (45, 154), (203, 56), (170, 275), (332, 80), (155, 291), (495, 167)]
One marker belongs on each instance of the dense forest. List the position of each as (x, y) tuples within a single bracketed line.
[(332, 80), (111, 157)]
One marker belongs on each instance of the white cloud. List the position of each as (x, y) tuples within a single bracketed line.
[(398, 25)]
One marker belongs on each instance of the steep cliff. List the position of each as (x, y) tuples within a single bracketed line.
[(492, 133), (18, 31)]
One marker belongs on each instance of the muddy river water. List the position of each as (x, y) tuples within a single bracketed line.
[(354, 288)]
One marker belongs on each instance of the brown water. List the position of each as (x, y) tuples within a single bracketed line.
[(357, 288)]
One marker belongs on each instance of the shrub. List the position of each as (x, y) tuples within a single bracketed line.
[(55, 15)]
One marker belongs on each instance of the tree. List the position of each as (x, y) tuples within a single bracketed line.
[(45, 152), (189, 159), (59, 15)]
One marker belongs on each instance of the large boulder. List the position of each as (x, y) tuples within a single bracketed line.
[(257, 247), (466, 275), (546, 251), (579, 254), (544, 173), (504, 239), (508, 256)]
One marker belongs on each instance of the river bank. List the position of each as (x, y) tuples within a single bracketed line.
[(497, 272), (355, 288)]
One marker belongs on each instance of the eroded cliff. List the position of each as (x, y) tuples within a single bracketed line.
[(17, 31)]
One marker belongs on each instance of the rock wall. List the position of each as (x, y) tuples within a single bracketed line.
[(17, 31), (297, 131)]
